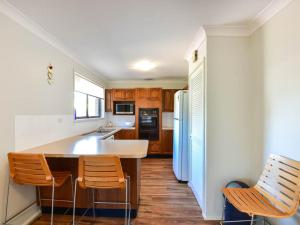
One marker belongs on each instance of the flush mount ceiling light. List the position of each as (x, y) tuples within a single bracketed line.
[(144, 65)]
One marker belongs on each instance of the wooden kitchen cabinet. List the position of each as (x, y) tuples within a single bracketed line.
[(118, 94), (167, 141), (129, 95), (125, 134), (155, 93), (168, 99), (154, 147), (151, 94), (123, 94), (108, 100), (142, 93)]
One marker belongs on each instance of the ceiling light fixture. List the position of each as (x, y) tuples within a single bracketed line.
[(144, 65)]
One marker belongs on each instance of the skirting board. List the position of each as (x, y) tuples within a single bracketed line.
[(27, 217), (198, 200)]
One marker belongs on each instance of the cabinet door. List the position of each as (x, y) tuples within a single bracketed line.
[(128, 134), (155, 93), (154, 147), (142, 92), (168, 100), (129, 94), (167, 140), (118, 94), (108, 100)]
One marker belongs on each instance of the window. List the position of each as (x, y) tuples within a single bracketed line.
[(88, 99)]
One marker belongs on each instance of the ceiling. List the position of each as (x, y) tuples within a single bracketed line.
[(110, 35)]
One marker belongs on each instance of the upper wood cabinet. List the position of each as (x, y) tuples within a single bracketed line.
[(108, 100), (142, 93), (123, 94), (168, 100), (155, 93), (149, 93), (130, 94)]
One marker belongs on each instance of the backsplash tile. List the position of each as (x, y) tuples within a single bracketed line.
[(167, 119), (119, 121)]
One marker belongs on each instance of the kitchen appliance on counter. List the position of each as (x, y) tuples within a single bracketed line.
[(124, 108), (180, 136), (149, 124)]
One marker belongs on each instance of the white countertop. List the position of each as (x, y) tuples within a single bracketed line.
[(90, 144)]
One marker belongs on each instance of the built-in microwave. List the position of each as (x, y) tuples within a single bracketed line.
[(124, 108)]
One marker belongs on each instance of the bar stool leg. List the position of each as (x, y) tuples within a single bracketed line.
[(74, 201), (126, 201), (252, 220), (52, 204), (39, 193), (7, 199), (94, 210), (72, 185)]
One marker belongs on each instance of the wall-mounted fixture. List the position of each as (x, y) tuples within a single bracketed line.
[(50, 74), (195, 56)]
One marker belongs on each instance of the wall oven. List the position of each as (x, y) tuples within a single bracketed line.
[(124, 108), (149, 124)]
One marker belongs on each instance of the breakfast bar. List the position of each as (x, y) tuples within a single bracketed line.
[(63, 156)]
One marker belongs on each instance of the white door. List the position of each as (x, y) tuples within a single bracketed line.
[(197, 132)]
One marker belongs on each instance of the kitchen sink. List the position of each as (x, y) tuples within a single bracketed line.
[(104, 131)]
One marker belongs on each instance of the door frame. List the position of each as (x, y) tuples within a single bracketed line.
[(201, 62)]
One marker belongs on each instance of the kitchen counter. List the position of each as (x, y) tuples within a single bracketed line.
[(92, 145), (63, 156)]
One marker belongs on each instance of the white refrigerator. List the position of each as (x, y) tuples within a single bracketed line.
[(180, 136)]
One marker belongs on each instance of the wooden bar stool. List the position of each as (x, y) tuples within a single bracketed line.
[(32, 169), (102, 172)]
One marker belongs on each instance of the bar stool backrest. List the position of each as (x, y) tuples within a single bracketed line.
[(280, 183), (100, 172), (30, 169)]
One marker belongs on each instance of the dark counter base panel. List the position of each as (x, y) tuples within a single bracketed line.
[(99, 212)]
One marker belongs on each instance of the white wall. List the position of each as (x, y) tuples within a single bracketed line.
[(166, 84), (276, 54), (28, 102), (229, 117)]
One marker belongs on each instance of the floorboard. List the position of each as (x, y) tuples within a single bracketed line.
[(164, 201)]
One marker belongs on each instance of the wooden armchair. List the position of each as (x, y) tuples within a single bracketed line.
[(276, 195)]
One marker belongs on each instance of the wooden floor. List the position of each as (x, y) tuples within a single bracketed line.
[(164, 201)]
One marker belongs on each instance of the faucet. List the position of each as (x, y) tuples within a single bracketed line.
[(109, 124)]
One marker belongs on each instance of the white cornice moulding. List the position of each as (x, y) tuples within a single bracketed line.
[(267, 13), (227, 31), (199, 38), (254, 24), (166, 81), (16, 15)]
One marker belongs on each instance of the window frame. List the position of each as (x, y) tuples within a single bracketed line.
[(87, 117)]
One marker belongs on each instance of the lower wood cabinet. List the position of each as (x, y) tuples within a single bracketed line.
[(167, 141), (165, 147), (154, 147), (125, 134)]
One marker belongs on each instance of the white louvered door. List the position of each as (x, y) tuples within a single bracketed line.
[(197, 131)]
